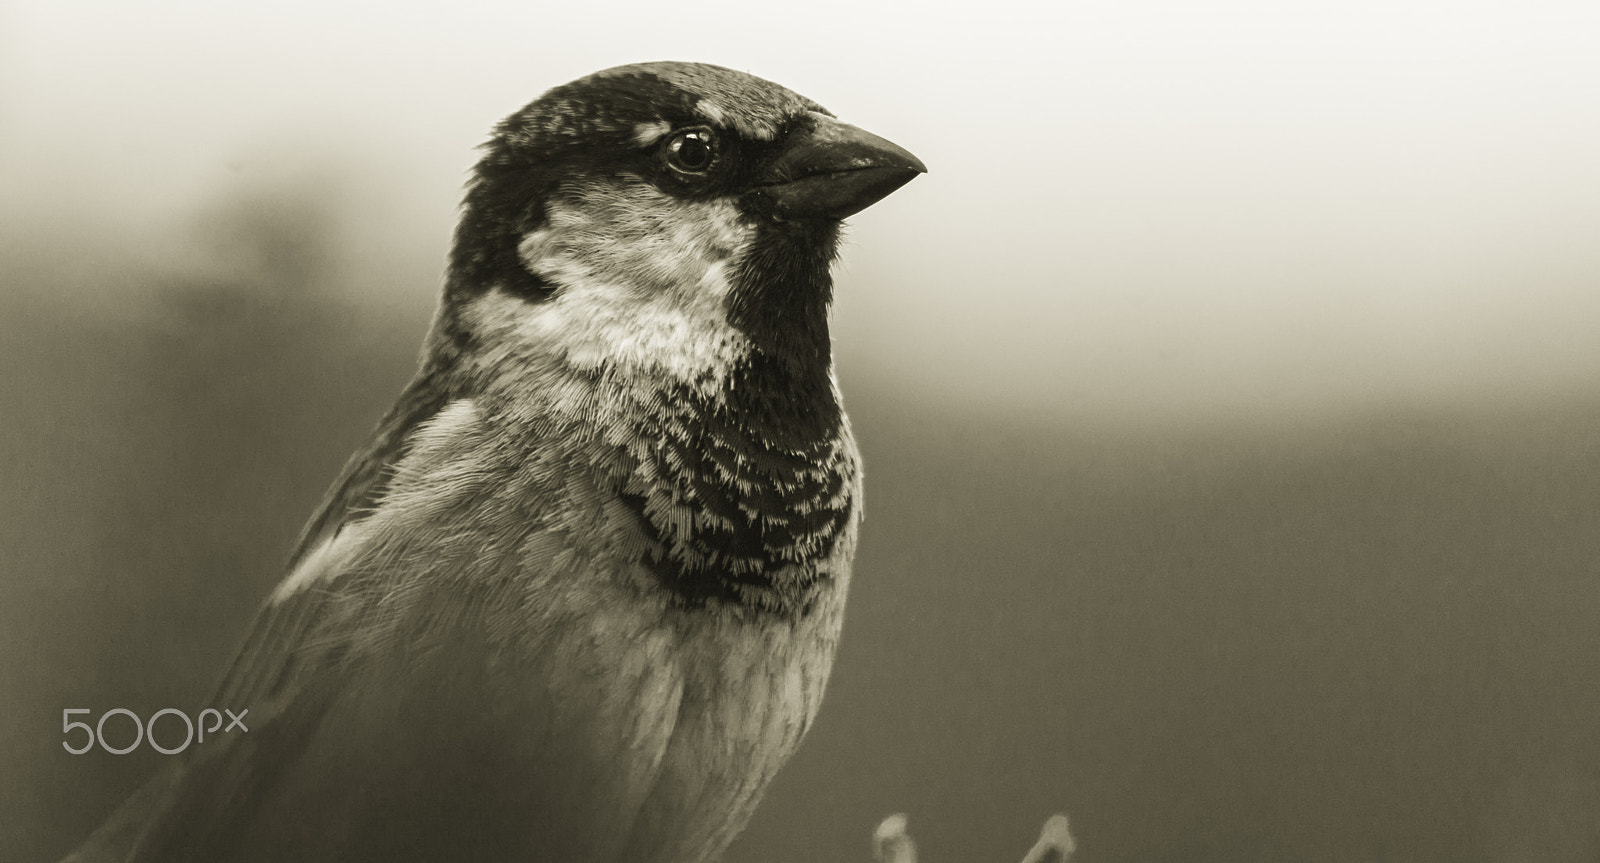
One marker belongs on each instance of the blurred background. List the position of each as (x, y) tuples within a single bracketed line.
[(1230, 394)]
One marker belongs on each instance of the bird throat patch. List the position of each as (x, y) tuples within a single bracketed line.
[(738, 508)]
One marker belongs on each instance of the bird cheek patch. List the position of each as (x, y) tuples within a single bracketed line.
[(642, 279), (630, 235), (540, 253)]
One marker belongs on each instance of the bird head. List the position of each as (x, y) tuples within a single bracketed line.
[(664, 219)]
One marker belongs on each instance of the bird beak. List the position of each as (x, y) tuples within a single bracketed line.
[(833, 170)]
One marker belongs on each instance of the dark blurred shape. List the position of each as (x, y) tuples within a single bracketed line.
[(1371, 639)]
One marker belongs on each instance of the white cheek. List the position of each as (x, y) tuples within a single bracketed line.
[(537, 248), (642, 281), (547, 254), (714, 283)]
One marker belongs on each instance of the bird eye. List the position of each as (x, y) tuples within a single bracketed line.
[(692, 150)]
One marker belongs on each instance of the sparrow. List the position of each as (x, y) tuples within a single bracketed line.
[(579, 596)]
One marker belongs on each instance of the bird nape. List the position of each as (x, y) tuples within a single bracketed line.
[(578, 598)]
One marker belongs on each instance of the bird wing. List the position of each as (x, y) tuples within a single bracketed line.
[(390, 717), (191, 803), (194, 801)]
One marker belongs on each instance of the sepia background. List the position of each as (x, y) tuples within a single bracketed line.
[(1229, 390)]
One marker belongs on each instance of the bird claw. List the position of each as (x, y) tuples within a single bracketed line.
[(891, 843)]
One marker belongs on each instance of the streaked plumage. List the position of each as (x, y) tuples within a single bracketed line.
[(579, 597)]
